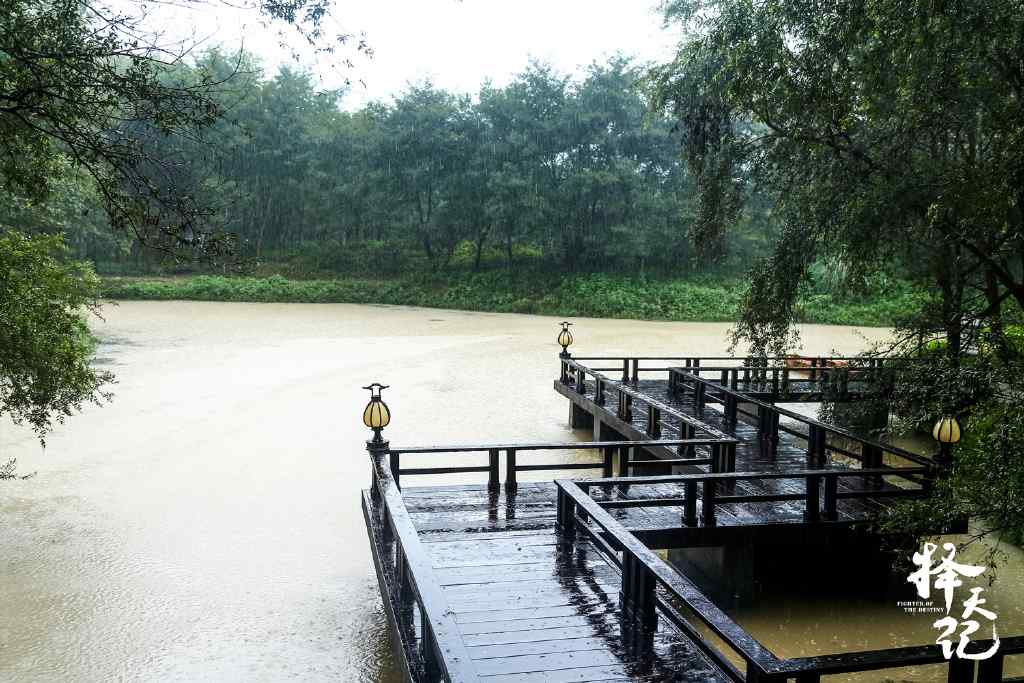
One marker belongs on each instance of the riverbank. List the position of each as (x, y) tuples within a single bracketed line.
[(589, 295)]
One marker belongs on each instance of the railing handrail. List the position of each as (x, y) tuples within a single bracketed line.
[(724, 627), (545, 446), (810, 421), (454, 657), (898, 359), (752, 476), (663, 407), (889, 658), (675, 583)]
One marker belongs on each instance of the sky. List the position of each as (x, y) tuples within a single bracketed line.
[(456, 43)]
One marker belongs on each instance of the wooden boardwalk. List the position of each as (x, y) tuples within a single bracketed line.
[(556, 581), (531, 607)]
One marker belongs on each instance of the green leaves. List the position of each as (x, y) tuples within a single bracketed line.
[(45, 344)]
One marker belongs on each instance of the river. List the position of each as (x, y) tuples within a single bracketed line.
[(205, 525)]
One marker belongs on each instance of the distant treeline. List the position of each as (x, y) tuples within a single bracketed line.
[(577, 173)]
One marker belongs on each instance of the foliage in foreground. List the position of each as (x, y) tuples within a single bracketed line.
[(593, 295), (45, 345), (888, 133)]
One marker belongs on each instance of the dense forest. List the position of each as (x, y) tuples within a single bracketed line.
[(560, 172)]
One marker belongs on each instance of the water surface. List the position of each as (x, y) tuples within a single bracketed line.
[(206, 524)]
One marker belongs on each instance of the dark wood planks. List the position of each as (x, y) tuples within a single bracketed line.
[(530, 606)]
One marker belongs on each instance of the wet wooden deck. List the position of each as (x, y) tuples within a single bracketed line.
[(531, 607)]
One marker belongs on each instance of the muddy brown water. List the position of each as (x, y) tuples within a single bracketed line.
[(205, 526)]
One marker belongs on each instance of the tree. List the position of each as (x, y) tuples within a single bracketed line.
[(44, 368), (889, 134), (87, 93)]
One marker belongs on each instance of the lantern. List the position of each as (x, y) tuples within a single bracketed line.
[(947, 433), (376, 415), (565, 339)]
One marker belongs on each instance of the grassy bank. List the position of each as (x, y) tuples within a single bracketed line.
[(590, 295)]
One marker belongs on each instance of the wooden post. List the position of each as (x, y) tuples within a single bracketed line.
[(708, 504), (815, 446), (731, 408), (814, 369), (510, 469), (812, 512), (638, 595), (606, 467), (653, 421), (961, 670), (566, 511), (690, 504), (428, 650), (565, 372), (716, 457), (871, 458), (624, 461), (581, 381), (831, 488), (599, 391), (729, 457), (395, 462), (785, 379), (493, 475), (991, 670), (625, 369), (636, 369)]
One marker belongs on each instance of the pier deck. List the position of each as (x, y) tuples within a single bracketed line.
[(557, 581), (529, 606)]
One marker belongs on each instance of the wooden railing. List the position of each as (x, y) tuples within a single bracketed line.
[(816, 367), (575, 374), (608, 451), (644, 572), (413, 594), (822, 439)]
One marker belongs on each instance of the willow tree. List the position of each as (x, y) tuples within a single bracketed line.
[(891, 135), (889, 132)]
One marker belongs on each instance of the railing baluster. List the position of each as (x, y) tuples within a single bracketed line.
[(625, 369), (599, 391), (638, 596), (609, 459), (636, 370), (510, 468), (812, 512), (428, 649), (690, 504), (831, 488), (566, 512), (493, 473), (624, 457), (991, 670), (960, 671), (653, 421), (708, 504), (395, 461)]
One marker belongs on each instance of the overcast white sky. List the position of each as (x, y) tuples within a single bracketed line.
[(458, 43)]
